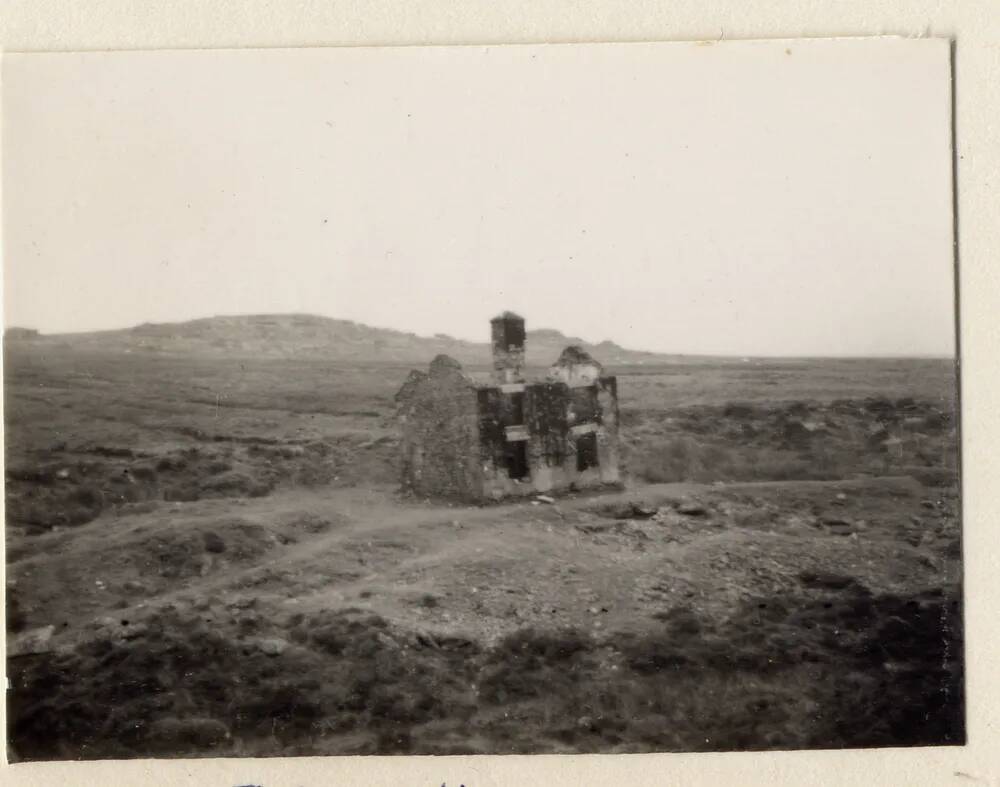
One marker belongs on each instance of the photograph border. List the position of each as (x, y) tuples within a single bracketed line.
[(58, 25)]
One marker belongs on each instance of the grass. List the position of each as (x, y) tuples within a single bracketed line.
[(795, 441), (187, 428), (877, 666), (685, 459), (830, 664)]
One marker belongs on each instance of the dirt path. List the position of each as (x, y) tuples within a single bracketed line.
[(449, 568), (278, 587)]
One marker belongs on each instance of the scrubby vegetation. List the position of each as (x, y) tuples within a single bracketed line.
[(839, 667), (206, 557), (795, 441)]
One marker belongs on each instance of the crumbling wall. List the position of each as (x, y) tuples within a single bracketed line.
[(557, 420), (576, 367), (546, 410), (405, 393), (492, 431), (543, 412), (607, 436), (511, 438), (584, 405), (507, 335), (440, 440)]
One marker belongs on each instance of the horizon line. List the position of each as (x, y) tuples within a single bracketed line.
[(953, 356)]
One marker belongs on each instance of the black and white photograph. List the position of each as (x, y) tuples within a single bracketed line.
[(509, 399)]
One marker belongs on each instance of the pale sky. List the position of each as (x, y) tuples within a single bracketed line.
[(755, 198)]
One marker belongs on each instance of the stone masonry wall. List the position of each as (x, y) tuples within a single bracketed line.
[(440, 448), (556, 416), (507, 336), (607, 436)]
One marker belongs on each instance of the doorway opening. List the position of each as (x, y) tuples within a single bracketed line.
[(586, 451), (516, 456)]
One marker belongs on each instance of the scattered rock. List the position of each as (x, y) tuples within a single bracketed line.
[(641, 511), (33, 641), (273, 647), (691, 508), (214, 543), (618, 511), (133, 631), (545, 499), (841, 527)]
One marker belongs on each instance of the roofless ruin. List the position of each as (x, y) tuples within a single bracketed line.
[(511, 436)]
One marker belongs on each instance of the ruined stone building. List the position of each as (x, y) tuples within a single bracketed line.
[(473, 440)]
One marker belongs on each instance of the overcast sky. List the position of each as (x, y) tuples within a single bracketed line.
[(780, 198)]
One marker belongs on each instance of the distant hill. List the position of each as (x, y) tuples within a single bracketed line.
[(309, 336), (20, 334)]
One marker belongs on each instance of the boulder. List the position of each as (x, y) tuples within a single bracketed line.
[(274, 646), (691, 508), (34, 641)]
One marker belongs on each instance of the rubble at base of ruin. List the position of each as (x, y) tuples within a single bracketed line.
[(509, 437)]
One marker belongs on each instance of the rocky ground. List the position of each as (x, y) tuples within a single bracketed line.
[(191, 578)]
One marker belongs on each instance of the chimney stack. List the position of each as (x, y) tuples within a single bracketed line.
[(508, 347)]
